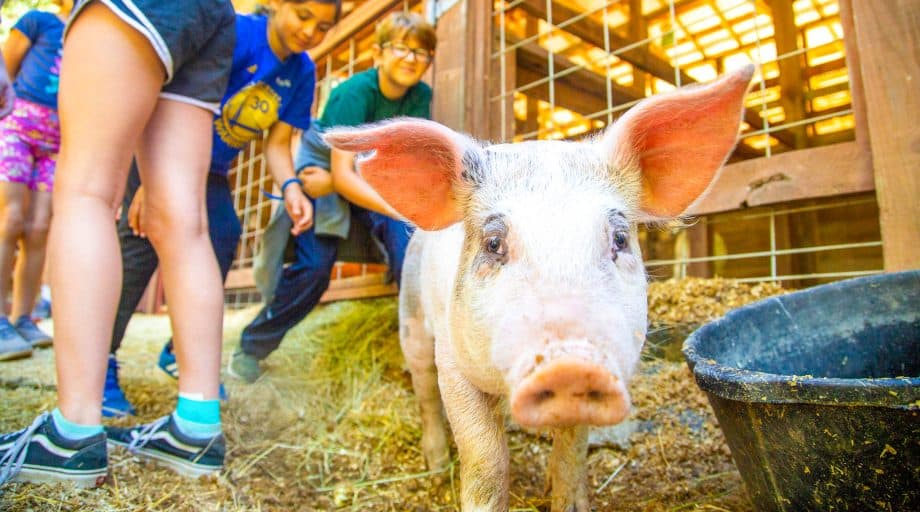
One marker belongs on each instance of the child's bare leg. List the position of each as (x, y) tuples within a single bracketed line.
[(173, 158), (12, 215), (110, 81), (28, 278)]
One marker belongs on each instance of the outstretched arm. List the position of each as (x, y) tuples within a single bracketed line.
[(281, 165), (352, 187)]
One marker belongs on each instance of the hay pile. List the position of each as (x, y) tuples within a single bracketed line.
[(694, 300), (333, 425)]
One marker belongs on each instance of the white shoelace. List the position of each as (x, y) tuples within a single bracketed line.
[(12, 461), (146, 434)]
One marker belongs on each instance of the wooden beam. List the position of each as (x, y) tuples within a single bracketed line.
[(888, 39), (358, 287), (358, 19), (791, 80), (805, 174)]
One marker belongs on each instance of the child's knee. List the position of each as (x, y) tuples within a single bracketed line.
[(164, 225), (12, 219)]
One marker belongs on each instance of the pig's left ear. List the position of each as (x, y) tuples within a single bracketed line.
[(679, 141), (416, 166)]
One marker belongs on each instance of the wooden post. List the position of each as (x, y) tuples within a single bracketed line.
[(888, 41), (791, 78), (463, 69)]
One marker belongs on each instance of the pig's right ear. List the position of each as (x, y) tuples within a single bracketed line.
[(416, 166), (679, 141)]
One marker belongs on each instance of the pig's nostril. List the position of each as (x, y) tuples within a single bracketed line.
[(596, 396), (544, 395)]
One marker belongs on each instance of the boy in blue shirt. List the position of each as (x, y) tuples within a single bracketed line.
[(404, 49), (271, 88)]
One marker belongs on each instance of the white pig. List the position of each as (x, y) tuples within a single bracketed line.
[(525, 282)]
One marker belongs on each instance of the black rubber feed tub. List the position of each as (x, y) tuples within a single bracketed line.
[(818, 394)]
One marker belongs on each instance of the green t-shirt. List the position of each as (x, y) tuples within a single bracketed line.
[(355, 101), (358, 100)]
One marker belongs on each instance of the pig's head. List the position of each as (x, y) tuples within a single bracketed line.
[(550, 296)]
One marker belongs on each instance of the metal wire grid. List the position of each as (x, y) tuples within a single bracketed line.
[(684, 34), (695, 46)]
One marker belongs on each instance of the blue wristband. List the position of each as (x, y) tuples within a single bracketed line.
[(283, 186)]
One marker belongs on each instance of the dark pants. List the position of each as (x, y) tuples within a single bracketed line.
[(303, 282), (139, 260)]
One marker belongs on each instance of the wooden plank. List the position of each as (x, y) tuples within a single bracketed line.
[(366, 292), (350, 25), (808, 173), (239, 278), (888, 41), (857, 92), (447, 104), (791, 79), (502, 123)]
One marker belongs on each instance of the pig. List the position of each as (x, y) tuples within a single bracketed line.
[(524, 283)]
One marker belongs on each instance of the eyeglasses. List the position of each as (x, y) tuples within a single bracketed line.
[(401, 51)]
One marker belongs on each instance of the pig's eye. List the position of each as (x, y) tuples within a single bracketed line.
[(621, 240), (495, 245), (619, 243)]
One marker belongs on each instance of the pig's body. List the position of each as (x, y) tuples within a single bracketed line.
[(525, 281)]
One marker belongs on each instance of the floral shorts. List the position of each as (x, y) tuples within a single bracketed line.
[(29, 140)]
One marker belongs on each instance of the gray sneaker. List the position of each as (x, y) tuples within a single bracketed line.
[(12, 345), (244, 366), (31, 333)]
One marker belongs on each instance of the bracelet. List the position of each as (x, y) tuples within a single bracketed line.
[(283, 186)]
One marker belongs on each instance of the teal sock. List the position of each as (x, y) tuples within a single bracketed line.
[(71, 430), (197, 418)]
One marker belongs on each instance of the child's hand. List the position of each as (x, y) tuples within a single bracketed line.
[(316, 181), (299, 208), (136, 217), (7, 95)]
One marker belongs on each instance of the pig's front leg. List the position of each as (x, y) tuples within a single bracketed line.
[(418, 349), (567, 475), (479, 431)]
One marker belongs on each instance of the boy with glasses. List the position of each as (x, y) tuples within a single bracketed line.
[(403, 51)]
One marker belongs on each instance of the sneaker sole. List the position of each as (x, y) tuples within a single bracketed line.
[(177, 464), (43, 343), (41, 474), (9, 356)]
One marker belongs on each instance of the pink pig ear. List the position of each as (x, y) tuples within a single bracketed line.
[(679, 141), (414, 166)]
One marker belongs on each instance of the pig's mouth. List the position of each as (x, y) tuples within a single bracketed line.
[(569, 391)]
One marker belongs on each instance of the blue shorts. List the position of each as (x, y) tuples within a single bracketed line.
[(193, 38)]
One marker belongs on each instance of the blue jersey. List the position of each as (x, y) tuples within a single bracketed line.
[(262, 90), (37, 80)]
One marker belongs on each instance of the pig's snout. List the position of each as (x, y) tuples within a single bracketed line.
[(569, 392)]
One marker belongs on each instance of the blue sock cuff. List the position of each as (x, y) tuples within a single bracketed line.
[(71, 430), (198, 418)]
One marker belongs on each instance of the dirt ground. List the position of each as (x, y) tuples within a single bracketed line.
[(333, 425)]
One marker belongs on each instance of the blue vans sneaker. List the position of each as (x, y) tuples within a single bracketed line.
[(162, 442), (167, 361), (114, 402), (12, 344), (168, 364), (31, 333), (41, 454), (42, 309)]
